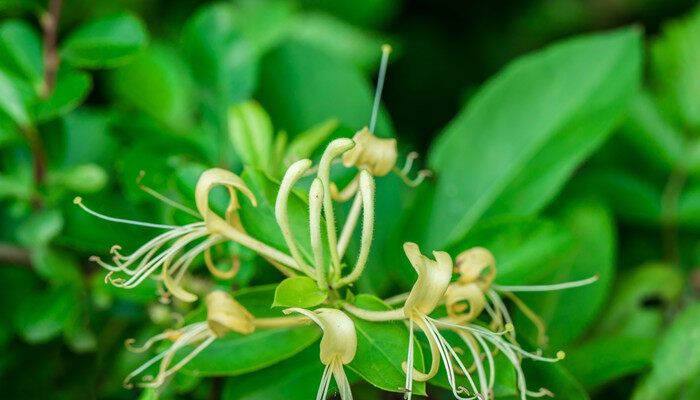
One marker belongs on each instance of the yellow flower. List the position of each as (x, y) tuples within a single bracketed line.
[(338, 346)]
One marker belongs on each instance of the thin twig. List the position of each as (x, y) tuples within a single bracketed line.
[(49, 22), (14, 255)]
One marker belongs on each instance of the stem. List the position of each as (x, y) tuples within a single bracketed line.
[(36, 146), (49, 22), (14, 255)]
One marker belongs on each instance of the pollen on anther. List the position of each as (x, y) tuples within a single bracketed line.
[(509, 327), (561, 354), (77, 200)]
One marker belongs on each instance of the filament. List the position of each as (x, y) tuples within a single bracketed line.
[(79, 201), (546, 288), (386, 49)]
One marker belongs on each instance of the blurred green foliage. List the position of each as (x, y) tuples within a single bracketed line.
[(580, 157)]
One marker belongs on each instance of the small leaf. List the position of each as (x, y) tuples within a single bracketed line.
[(157, 82), (381, 348), (305, 143), (20, 51), (251, 132), (71, 90), (298, 291), (42, 315), (86, 178), (14, 101), (676, 362), (57, 267), (675, 62), (106, 42), (40, 228)]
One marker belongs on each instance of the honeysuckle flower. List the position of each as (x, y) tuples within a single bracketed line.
[(338, 346), (175, 250), (321, 201), (224, 315)]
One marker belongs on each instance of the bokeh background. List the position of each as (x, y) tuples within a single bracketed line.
[(89, 128)]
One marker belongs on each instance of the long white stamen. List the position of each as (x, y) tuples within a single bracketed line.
[(496, 299), (479, 366), (409, 362), (546, 288), (473, 328), (489, 358), (445, 352), (292, 175), (183, 341), (79, 202), (386, 49), (325, 382)]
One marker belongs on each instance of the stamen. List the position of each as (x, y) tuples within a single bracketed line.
[(409, 162), (409, 362), (79, 201), (164, 199), (532, 316), (545, 288), (325, 382), (386, 50)]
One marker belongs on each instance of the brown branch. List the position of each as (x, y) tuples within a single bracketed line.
[(15, 255), (49, 22)]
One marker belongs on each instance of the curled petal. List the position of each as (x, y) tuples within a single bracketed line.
[(460, 298), (220, 177), (433, 279)]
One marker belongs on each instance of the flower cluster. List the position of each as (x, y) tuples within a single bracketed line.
[(168, 256)]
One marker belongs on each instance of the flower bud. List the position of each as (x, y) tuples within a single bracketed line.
[(374, 154), (433, 279), (224, 314), (476, 265)]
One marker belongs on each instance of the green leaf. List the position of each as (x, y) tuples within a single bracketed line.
[(86, 178), (524, 247), (648, 130), (88, 138), (338, 38), (57, 267), (106, 42), (628, 315), (567, 313), (251, 132), (323, 87), (381, 348), (40, 228), (675, 63), (597, 362), (298, 291), (157, 83), (14, 102), (294, 379), (42, 315), (20, 51), (265, 23), (220, 58), (305, 143), (237, 354), (71, 90), (521, 137), (676, 362), (631, 196)]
